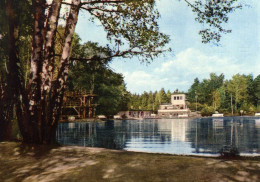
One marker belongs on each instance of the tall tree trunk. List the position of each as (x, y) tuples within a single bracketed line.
[(29, 107), (231, 104), (44, 98), (49, 52), (60, 85), (48, 68), (9, 91)]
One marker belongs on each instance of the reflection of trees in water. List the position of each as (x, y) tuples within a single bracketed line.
[(92, 134), (210, 135), (111, 134), (146, 131), (250, 136), (205, 135)]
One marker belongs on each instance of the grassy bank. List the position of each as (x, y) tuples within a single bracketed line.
[(19, 162)]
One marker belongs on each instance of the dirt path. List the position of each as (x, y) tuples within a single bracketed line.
[(27, 163)]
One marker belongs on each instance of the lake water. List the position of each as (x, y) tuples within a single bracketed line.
[(200, 136)]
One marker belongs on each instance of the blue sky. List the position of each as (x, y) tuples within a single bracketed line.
[(239, 51)]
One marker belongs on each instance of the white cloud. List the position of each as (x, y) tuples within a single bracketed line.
[(181, 71), (140, 79), (194, 62), (165, 67)]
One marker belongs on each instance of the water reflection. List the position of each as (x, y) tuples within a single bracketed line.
[(177, 136)]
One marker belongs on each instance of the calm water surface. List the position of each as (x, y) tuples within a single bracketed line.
[(205, 136)]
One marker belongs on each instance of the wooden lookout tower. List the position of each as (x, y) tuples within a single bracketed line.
[(81, 105)]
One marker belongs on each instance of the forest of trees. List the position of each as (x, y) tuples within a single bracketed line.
[(97, 77), (150, 100), (36, 53), (239, 95)]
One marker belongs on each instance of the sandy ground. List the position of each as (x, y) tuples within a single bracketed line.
[(29, 163)]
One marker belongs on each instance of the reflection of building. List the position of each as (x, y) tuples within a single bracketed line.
[(135, 114), (257, 123), (218, 123), (179, 129), (177, 107), (176, 128)]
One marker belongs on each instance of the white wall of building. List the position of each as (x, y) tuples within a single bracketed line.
[(178, 99)]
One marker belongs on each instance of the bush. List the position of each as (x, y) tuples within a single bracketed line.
[(207, 111), (224, 110), (192, 106), (257, 109), (248, 108)]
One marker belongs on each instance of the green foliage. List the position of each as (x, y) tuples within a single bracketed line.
[(192, 106), (168, 95), (213, 14), (255, 91), (242, 91), (238, 88), (150, 104), (133, 26), (257, 108), (247, 108), (192, 92), (111, 93), (207, 111), (150, 101), (94, 76), (204, 91)]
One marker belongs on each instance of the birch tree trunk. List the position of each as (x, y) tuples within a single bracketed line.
[(59, 88), (47, 72), (33, 106), (29, 113), (44, 98)]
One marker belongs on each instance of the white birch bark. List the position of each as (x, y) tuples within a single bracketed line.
[(64, 63), (48, 63)]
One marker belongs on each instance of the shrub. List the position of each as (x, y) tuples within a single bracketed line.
[(207, 111), (248, 108), (192, 106)]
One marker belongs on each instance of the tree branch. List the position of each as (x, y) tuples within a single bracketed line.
[(117, 54), (191, 5), (97, 2), (100, 9), (103, 2)]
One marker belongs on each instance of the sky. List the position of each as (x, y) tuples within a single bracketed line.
[(238, 52)]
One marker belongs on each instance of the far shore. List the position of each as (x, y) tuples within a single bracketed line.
[(194, 117), (29, 163)]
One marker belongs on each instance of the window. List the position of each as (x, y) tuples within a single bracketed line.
[(174, 98), (180, 97)]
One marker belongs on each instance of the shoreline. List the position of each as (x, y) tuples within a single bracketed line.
[(99, 120)]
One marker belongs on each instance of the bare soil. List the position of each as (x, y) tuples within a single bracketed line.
[(29, 163)]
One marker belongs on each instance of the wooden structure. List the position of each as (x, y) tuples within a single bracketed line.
[(81, 105)]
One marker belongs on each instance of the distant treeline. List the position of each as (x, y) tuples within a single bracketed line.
[(151, 100), (239, 95)]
